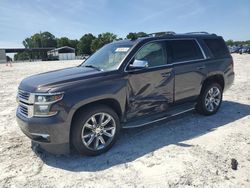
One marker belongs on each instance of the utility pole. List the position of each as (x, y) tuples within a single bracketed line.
[(41, 40)]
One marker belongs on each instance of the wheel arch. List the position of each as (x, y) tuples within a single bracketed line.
[(110, 102), (216, 78)]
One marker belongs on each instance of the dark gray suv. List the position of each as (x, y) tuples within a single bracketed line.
[(125, 84)]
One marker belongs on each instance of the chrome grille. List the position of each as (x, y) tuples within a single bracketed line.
[(23, 95), (25, 107), (23, 110)]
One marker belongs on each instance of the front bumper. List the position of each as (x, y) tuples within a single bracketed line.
[(52, 133)]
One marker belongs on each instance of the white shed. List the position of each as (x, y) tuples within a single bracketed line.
[(63, 53)]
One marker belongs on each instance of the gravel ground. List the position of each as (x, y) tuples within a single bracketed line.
[(188, 151)]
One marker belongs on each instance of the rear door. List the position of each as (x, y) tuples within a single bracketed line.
[(187, 59)]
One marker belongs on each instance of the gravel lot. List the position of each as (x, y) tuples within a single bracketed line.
[(188, 151)]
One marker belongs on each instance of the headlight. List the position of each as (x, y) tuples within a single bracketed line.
[(43, 102), (48, 98)]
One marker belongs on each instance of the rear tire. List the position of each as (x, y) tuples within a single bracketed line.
[(210, 99), (95, 130)]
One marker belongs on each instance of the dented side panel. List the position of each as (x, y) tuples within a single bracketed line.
[(149, 91)]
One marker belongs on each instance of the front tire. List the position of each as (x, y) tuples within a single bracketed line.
[(95, 130), (210, 99)]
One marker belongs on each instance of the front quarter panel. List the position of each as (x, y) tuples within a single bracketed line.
[(113, 87)]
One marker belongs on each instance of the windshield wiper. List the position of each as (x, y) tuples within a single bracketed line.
[(92, 66)]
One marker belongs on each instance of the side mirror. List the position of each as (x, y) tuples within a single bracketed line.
[(138, 64)]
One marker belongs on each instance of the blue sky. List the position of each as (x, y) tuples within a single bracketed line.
[(73, 18)]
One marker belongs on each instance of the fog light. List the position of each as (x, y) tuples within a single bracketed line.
[(43, 108)]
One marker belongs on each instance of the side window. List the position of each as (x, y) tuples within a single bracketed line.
[(217, 47), (185, 50), (153, 53)]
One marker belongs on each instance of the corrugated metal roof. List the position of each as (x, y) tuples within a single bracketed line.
[(64, 47)]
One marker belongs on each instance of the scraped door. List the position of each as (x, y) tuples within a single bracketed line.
[(150, 89)]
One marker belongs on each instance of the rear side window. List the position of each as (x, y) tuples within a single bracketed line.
[(185, 50), (217, 47)]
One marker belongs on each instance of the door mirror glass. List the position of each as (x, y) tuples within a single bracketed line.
[(138, 64)]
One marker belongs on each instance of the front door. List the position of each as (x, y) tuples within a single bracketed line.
[(150, 89)]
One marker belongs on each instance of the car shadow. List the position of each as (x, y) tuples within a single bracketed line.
[(137, 142)]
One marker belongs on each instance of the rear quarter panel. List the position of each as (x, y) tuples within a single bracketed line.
[(223, 67)]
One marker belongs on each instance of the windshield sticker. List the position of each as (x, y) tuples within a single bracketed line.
[(121, 49)]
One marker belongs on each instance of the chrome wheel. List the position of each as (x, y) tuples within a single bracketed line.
[(213, 99), (98, 131)]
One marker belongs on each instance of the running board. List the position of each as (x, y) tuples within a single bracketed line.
[(156, 118)]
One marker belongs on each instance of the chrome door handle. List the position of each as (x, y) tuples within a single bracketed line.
[(200, 68), (166, 74)]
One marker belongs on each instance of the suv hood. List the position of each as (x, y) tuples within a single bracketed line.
[(45, 81)]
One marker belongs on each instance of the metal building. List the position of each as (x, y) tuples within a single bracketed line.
[(63, 53), (3, 51), (2, 56)]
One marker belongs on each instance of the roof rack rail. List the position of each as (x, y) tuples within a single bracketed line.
[(198, 32), (160, 34)]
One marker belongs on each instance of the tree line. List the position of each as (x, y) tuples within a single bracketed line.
[(237, 43), (87, 44)]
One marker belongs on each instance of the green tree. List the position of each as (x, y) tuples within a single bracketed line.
[(133, 36), (95, 45), (39, 40), (102, 39), (84, 44), (73, 43), (47, 39), (87, 44), (28, 43), (230, 42), (63, 41), (237, 43), (21, 56)]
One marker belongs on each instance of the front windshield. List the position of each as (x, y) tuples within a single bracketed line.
[(108, 57)]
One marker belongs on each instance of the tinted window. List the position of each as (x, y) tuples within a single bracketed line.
[(217, 47), (185, 50), (153, 53)]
